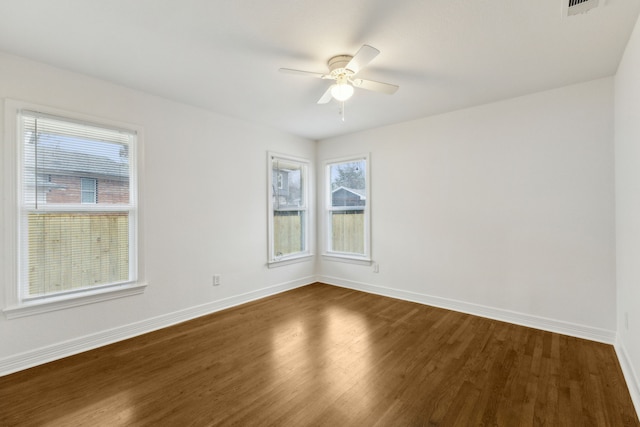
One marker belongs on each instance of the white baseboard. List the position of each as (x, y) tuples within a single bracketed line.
[(43, 355), (545, 324), (63, 349), (630, 376)]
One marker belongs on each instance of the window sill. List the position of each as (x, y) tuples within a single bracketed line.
[(62, 302), (347, 259), (289, 261)]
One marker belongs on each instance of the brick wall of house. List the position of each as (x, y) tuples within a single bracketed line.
[(111, 191), (66, 189)]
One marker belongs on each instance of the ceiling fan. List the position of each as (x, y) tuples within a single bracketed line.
[(343, 69)]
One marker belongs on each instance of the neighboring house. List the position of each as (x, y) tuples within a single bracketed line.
[(343, 196), (281, 181), (285, 193), (71, 177), (280, 187)]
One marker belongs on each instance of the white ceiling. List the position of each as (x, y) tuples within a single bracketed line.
[(224, 55)]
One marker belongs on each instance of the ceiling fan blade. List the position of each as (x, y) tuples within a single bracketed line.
[(364, 55), (326, 97), (305, 73), (375, 86)]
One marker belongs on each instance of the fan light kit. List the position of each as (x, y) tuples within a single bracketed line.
[(342, 90), (342, 69)]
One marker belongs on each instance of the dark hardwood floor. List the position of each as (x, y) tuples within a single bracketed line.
[(327, 356)]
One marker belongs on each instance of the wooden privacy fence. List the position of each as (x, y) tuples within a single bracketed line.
[(347, 232), (288, 227), (73, 250)]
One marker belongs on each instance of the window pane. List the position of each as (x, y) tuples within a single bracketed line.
[(347, 231), (70, 251), (57, 163), (88, 197), (348, 183), (288, 232), (288, 182)]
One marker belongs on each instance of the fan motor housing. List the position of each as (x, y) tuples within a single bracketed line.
[(338, 63)]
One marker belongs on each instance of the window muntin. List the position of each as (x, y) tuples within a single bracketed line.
[(347, 219), (288, 208), (70, 239)]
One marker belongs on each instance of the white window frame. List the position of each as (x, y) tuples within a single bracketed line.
[(328, 253), (273, 259), (17, 304)]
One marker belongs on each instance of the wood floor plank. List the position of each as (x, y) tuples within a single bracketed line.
[(327, 356)]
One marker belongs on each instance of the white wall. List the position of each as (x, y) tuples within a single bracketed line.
[(205, 212), (627, 157), (504, 210)]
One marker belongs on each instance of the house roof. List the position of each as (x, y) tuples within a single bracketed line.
[(360, 193), (64, 162), (224, 56)]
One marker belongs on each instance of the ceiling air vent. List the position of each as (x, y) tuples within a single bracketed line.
[(576, 7)]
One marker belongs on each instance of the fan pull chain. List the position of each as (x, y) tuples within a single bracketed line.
[(342, 110)]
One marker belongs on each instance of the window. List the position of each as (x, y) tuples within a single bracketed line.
[(288, 208), (70, 241), (347, 211), (88, 190)]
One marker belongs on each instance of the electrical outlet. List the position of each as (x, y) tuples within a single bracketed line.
[(376, 267), (217, 280)]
